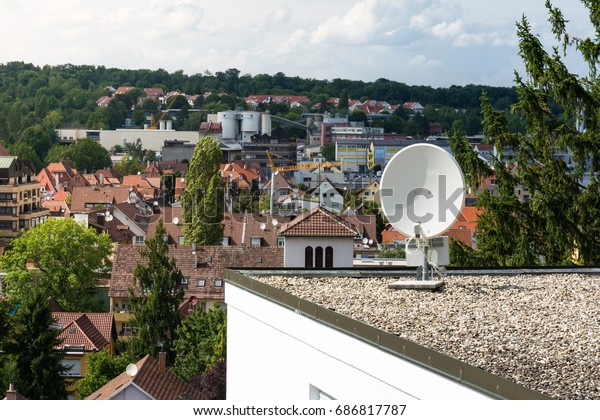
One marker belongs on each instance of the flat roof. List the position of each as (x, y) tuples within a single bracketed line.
[(539, 330)]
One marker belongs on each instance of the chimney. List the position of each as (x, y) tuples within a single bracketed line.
[(162, 362), (11, 394), (56, 182)]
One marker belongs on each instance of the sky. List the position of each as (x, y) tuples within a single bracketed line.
[(435, 43)]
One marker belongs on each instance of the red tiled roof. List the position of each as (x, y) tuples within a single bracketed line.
[(318, 222), (158, 385), (93, 331), (207, 263)]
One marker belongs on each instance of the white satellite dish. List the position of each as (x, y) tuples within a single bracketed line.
[(131, 370), (422, 193), (365, 241), (370, 241), (106, 213), (175, 220), (274, 222), (109, 217), (422, 185), (263, 226)]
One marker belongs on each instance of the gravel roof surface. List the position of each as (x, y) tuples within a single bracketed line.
[(541, 331)]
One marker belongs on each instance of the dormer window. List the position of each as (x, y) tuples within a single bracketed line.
[(184, 281)]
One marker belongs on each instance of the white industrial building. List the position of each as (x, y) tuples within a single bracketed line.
[(152, 139)]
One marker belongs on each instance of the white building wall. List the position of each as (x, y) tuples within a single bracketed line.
[(151, 139), (293, 254), (276, 354)]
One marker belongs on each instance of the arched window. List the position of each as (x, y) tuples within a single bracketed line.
[(319, 257), (308, 257), (329, 257)]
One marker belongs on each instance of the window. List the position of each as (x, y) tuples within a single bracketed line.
[(281, 241), (226, 241), (319, 257), (74, 367), (329, 257), (201, 283), (219, 283), (256, 240), (308, 257), (180, 240), (184, 281), (138, 240)]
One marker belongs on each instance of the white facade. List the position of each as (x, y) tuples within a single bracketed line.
[(295, 247), (151, 139), (277, 354)]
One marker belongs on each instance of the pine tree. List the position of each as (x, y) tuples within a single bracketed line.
[(34, 348), (203, 198), (155, 298), (560, 221)]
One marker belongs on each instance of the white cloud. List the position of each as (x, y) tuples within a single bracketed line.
[(422, 61)]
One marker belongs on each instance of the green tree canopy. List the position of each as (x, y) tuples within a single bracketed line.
[(101, 368), (202, 200), (200, 342), (155, 297), (62, 260)]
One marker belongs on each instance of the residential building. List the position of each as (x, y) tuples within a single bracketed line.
[(148, 379), (20, 198), (328, 195), (202, 269), (319, 239), (82, 334)]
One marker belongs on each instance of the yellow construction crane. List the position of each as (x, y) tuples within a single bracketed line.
[(296, 167), (154, 122)]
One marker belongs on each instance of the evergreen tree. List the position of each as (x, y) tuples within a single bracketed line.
[(559, 222), (203, 198), (34, 348), (155, 298)]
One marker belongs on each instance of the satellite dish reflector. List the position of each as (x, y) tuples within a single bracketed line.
[(109, 217), (263, 226), (274, 222), (175, 220), (194, 300), (365, 241), (106, 213), (370, 241), (131, 370), (422, 190)]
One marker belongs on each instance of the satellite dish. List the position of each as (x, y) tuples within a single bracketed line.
[(274, 222), (131, 370), (155, 204), (263, 226), (365, 241), (370, 241), (422, 190), (106, 213), (175, 220), (194, 300), (109, 217)]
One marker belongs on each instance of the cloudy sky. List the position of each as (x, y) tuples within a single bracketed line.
[(419, 42)]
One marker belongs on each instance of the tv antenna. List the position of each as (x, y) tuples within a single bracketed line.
[(422, 195)]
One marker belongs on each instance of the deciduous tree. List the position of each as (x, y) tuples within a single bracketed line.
[(203, 198), (61, 259)]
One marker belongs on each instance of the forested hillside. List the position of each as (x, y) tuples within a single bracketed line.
[(36, 100)]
